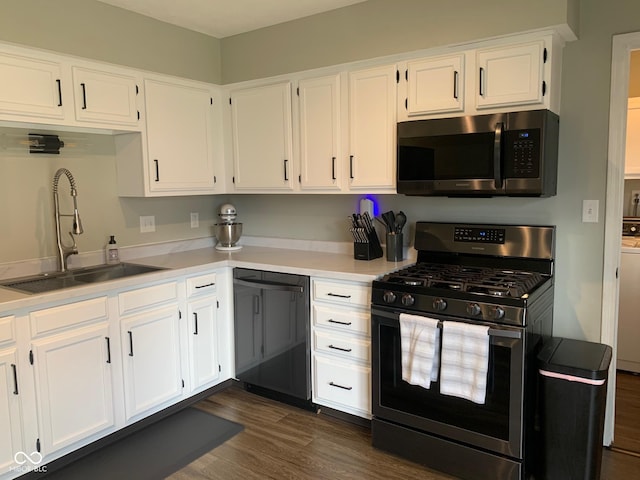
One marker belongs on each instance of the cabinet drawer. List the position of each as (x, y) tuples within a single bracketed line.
[(73, 314), (201, 284), (345, 293), (147, 297), (342, 383), (7, 330), (351, 320), (343, 345)]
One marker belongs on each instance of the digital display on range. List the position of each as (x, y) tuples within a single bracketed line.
[(483, 235)]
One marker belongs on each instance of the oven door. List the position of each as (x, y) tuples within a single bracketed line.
[(497, 425)]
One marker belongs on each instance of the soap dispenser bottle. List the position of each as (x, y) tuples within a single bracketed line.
[(112, 251)]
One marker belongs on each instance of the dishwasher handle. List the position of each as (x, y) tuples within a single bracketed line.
[(266, 285)]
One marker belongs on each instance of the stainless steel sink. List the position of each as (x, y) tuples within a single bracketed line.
[(48, 282)]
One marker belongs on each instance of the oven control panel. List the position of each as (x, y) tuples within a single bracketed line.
[(474, 234)]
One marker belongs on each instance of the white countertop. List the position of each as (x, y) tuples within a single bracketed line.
[(311, 263)]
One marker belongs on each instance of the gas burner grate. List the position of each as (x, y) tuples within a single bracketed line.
[(484, 281)]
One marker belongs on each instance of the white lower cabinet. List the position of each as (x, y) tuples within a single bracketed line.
[(11, 438), (150, 342), (73, 370), (202, 331), (341, 346)]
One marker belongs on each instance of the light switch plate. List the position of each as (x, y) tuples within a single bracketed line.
[(590, 211), (195, 220), (147, 224)]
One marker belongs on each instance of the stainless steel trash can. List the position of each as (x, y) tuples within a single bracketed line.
[(573, 391)]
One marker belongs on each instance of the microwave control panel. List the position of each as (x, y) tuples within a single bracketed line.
[(523, 153)]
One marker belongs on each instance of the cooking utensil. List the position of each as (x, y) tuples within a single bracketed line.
[(401, 220)]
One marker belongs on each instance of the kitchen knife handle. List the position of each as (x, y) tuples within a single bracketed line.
[(333, 168), (84, 96)]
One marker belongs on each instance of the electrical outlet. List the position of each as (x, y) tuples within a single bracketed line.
[(634, 208), (147, 224), (195, 220)]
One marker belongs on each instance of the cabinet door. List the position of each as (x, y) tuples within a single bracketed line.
[(372, 129), (510, 76), (30, 86), (74, 387), (320, 130), (105, 97), (262, 145), (151, 360), (203, 341), (435, 85), (10, 410), (179, 137)]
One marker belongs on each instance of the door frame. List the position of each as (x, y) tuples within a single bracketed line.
[(620, 64)]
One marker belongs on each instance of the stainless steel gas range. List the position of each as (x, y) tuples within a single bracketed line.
[(494, 284)]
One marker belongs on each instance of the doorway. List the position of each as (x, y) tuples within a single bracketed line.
[(623, 46)]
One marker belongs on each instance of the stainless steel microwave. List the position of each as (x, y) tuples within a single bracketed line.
[(513, 154)]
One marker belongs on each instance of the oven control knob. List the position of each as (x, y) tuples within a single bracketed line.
[(439, 304), (389, 297), (498, 313), (473, 309), (407, 300)]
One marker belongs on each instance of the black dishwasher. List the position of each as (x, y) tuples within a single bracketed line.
[(272, 339)]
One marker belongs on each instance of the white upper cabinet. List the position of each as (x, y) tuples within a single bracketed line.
[(179, 151), (510, 75), (46, 89), (105, 97), (30, 87), (262, 138), (321, 155), (435, 85), (179, 133), (372, 129)]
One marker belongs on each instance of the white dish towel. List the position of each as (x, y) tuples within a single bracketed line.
[(464, 361), (420, 348)]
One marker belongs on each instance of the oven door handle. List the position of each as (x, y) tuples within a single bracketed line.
[(503, 333)]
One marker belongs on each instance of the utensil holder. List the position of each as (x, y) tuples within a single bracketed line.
[(394, 246), (368, 250)]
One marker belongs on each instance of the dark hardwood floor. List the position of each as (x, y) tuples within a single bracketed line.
[(284, 442), (627, 426)]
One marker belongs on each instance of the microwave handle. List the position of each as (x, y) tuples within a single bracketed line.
[(497, 155)]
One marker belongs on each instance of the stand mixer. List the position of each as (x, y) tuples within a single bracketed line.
[(228, 231)]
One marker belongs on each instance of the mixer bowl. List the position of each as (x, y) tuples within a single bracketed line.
[(228, 234)]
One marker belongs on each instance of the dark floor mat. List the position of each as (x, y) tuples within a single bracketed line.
[(155, 451)]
